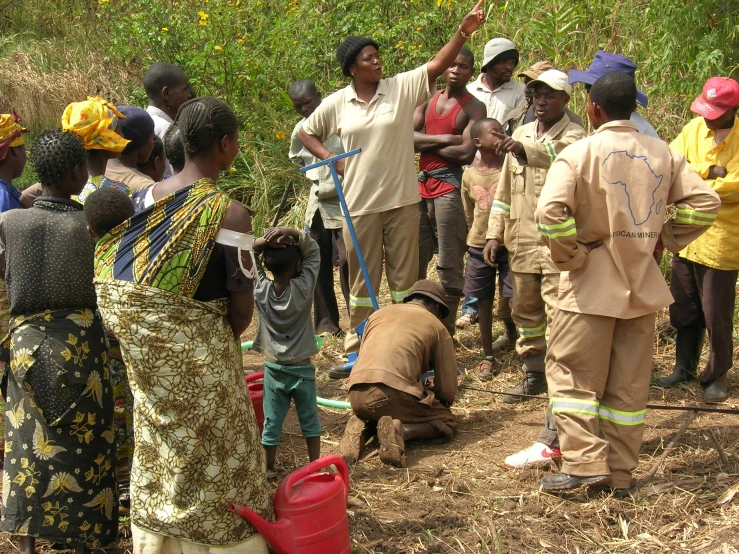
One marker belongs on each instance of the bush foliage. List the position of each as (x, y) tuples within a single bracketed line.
[(249, 51)]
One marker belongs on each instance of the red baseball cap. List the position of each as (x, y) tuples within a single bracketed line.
[(719, 94)]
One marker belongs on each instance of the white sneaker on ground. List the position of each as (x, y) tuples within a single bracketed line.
[(536, 454)]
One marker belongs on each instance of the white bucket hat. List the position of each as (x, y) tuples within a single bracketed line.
[(496, 47)]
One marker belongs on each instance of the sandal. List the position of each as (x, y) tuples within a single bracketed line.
[(392, 446), (484, 369)]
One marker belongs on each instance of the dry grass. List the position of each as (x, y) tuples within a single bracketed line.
[(458, 497), (41, 78)]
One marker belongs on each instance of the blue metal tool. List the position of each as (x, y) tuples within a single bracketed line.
[(340, 193), (352, 357)]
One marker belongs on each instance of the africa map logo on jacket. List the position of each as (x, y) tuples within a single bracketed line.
[(641, 198)]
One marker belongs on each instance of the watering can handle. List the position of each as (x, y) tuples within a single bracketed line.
[(255, 376), (304, 471)]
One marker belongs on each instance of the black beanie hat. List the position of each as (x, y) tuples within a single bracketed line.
[(347, 51)]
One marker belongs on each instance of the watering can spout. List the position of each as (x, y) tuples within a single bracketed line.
[(276, 534)]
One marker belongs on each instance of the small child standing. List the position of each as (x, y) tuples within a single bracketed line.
[(105, 209), (285, 335), (479, 184)]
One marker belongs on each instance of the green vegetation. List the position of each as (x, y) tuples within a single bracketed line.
[(249, 51)]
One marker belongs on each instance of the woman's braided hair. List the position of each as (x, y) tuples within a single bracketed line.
[(203, 121), (54, 154)]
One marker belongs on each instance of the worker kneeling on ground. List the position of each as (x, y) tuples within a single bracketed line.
[(400, 343)]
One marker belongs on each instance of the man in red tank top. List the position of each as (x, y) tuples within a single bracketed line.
[(442, 137)]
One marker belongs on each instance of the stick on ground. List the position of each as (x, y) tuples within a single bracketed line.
[(684, 427)]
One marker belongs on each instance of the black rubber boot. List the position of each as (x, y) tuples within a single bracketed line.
[(688, 353), (717, 391), (338, 372), (534, 382)]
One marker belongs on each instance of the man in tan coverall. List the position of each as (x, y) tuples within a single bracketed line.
[(400, 343), (531, 151), (602, 214)]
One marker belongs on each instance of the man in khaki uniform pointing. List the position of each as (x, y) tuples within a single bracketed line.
[(602, 215), (530, 152)]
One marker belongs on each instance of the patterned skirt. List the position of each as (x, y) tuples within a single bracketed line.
[(4, 321), (197, 442), (59, 477)]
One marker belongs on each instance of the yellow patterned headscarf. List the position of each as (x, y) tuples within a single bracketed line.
[(94, 121), (11, 134)]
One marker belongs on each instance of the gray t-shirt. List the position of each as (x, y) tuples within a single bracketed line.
[(285, 332)]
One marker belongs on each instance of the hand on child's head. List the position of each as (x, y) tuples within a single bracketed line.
[(279, 237)]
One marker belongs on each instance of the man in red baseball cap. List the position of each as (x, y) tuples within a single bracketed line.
[(704, 274)]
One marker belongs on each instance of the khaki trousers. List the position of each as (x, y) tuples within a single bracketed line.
[(533, 306), (392, 235), (598, 371)]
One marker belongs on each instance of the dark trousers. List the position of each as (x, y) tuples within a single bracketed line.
[(333, 254), (442, 223), (704, 298)]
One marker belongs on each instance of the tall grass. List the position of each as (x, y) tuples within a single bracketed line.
[(249, 51), (38, 78)]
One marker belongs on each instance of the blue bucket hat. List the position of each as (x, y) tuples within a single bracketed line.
[(605, 62)]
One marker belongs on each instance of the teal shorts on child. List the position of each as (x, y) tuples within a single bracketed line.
[(281, 384)]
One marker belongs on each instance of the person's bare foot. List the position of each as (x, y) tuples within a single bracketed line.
[(392, 446)]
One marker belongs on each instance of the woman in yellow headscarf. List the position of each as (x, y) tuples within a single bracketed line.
[(96, 122), (12, 161)]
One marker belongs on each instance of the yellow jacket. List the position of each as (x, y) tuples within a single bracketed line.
[(719, 246), (511, 219), (615, 186)]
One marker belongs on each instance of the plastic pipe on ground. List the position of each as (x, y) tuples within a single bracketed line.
[(328, 403)]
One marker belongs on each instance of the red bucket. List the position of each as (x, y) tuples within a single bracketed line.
[(256, 392)]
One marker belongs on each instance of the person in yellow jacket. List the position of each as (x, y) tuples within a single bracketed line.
[(602, 214), (704, 274), (530, 152)]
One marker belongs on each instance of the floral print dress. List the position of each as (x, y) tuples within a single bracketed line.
[(59, 475)]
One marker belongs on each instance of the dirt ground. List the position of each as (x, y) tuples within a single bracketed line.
[(458, 497)]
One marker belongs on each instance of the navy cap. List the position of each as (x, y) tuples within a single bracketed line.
[(137, 126), (605, 62)]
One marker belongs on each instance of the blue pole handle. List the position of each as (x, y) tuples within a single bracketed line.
[(340, 193), (335, 158)]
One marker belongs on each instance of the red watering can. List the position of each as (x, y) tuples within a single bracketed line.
[(310, 511), (256, 392)]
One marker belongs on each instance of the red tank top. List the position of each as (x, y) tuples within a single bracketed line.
[(439, 125)]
